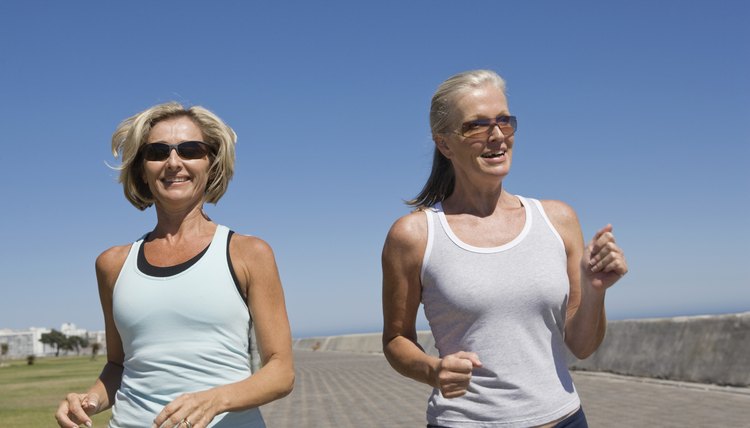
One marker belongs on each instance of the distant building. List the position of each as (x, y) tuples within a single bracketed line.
[(22, 343), (70, 329)]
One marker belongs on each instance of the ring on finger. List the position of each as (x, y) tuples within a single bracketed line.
[(187, 423)]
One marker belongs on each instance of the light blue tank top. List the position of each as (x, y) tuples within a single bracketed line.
[(182, 333), (508, 305)]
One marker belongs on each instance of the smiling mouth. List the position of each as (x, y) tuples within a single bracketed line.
[(492, 155), (175, 180)]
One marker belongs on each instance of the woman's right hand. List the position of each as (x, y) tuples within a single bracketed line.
[(454, 373), (76, 408)]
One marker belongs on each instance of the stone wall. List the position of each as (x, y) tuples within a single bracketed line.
[(707, 349)]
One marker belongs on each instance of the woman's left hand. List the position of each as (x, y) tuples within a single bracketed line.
[(603, 262), (192, 410)]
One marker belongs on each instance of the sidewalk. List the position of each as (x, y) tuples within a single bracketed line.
[(339, 390)]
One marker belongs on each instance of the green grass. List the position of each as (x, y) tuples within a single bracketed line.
[(29, 395)]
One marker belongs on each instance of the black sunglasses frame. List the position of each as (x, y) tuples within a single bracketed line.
[(187, 150)]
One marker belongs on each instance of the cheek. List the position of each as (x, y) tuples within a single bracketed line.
[(142, 172)]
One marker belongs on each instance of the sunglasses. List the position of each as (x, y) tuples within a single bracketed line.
[(186, 150), (484, 127)]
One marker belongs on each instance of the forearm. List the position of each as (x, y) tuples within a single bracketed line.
[(106, 385), (585, 330), (409, 359), (275, 380)]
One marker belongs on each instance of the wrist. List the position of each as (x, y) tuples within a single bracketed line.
[(220, 401), (434, 372), (591, 292)]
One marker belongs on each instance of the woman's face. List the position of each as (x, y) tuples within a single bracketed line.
[(486, 157), (176, 183)]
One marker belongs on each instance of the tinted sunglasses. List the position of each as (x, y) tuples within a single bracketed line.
[(484, 127), (186, 150)]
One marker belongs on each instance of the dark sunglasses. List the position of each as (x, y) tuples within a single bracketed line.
[(186, 150)]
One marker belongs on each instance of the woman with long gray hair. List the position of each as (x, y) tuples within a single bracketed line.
[(506, 281)]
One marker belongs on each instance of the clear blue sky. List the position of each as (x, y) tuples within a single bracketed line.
[(635, 113)]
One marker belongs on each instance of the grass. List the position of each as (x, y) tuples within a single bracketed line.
[(29, 395)]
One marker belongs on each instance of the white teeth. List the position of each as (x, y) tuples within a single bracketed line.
[(493, 154), (175, 180)]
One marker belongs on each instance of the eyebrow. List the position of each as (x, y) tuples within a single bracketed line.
[(487, 118)]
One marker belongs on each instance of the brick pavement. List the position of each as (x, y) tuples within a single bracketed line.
[(339, 390)]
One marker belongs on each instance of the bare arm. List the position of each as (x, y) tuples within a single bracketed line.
[(256, 270), (265, 298), (76, 408), (402, 288), (592, 269)]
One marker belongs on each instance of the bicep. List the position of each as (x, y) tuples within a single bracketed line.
[(108, 266), (265, 298), (402, 286), (565, 221)]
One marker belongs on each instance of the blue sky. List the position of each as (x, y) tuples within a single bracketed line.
[(635, 113)]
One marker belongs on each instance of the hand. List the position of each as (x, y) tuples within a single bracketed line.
[(193, 410), (603, 262), (75, 410), (454, 373)]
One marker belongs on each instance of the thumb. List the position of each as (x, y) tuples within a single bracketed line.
[(471, 356), (91, 403), (602, 231)]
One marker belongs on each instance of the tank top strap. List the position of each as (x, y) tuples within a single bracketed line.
[(539, 212), (431, 217), (219, 242)]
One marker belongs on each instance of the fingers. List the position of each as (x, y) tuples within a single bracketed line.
[(90, 403), (604, 254), (613, 262), (72, 411), (186, 411), (454, 373), (603, 262)]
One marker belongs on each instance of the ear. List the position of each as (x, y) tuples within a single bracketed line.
[(442, 145)]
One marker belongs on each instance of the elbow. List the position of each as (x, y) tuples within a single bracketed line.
[(582, 354), (385, 346), (388, 352), (583, 350), (286, 383)]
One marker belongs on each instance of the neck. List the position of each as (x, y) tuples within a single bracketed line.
[(177, 222), (481, 201)]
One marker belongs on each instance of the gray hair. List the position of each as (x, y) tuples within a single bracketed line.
[(443, 112)]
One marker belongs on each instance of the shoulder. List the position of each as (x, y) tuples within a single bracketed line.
[(407, 238), (109, 263), (113, 257), (560, 213), (245, 247), (564, 218), (410, 228)]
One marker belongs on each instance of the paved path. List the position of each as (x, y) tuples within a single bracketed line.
[(341, 390)]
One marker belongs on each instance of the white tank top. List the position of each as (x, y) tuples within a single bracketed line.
[(181, 333), (508, 305)]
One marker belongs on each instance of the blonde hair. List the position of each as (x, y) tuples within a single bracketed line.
[(442, 180), (133, 133)]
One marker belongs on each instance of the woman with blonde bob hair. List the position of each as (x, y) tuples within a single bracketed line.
[(179, 302), (132, 134), (506, 281)]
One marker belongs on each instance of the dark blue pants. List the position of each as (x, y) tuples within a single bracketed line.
[(576, 420)]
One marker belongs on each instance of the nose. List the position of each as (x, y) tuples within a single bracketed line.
[(174, 159), (499, 134)]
